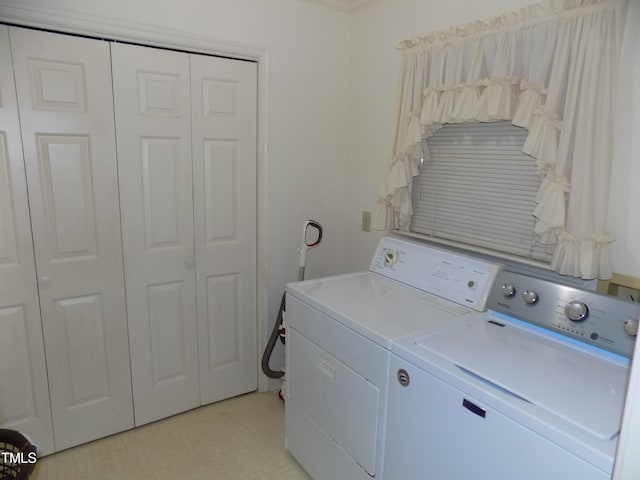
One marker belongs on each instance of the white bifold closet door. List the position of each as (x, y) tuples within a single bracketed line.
[(153, 123), (24, 391), (66, 111), (186, 129), (224, 110)]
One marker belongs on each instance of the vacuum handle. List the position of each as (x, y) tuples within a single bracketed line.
[(307, 244), (318, 227)]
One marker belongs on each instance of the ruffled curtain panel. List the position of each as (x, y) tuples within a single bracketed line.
[(549, 68)]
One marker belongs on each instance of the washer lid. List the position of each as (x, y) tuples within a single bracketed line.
[(577, 386), (377, 307)]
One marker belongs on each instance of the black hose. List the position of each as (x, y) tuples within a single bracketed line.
[(275, 333)]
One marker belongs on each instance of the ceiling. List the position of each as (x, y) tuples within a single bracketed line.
[(345, 5)]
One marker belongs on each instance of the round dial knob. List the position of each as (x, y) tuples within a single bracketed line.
[(390, 258), (530, 297), (403, 377), (508, 290), (631, 327), (576, 311)]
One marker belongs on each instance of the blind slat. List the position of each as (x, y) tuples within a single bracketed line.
[(478, 188)]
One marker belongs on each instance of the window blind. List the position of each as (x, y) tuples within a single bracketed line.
[(479, 189)]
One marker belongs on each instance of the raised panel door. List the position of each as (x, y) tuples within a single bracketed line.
[(66, 111), (24, 392), (153, 123), (224, 99)]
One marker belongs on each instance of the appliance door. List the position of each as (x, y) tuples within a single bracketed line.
[(437, 431), (527, 364), (339, 400), (336, 396)]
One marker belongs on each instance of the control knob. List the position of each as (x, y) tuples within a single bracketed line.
[(530, 297), (631, 327), (576, 311), (508, 290), (390, 258)]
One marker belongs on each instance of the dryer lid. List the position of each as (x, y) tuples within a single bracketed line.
[(377, 307)]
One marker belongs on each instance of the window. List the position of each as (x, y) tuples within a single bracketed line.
[(549, 68), (479, 189)]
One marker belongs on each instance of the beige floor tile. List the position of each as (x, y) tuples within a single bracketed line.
[(237, 439)]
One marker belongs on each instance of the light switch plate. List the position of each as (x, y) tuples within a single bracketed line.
[(366, 221)]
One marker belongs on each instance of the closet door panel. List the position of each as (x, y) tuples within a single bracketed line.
[(65, 175), (224, 141), (66, 112), (153, 123), (24, 392)]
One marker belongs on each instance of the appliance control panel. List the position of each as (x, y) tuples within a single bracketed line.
[(604, 321), (455, 277)]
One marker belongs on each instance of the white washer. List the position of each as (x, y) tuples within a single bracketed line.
[(532, 389), (339, 335)]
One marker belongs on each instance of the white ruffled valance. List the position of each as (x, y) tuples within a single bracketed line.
[(550, 68)]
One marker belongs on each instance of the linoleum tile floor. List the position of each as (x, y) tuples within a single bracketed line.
[(236, 439)]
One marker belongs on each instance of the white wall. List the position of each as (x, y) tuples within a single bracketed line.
[(624, 212), (375, 32), (307, 110)]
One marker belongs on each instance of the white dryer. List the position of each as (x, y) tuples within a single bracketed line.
[(532, 389), (339, 335)]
